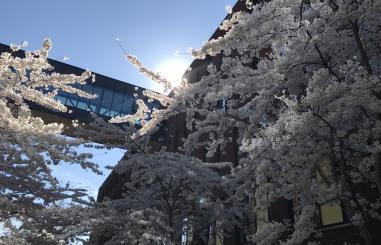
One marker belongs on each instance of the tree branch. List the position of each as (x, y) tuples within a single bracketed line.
[(363, 54)]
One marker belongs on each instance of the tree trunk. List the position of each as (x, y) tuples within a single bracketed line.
[(377, 166), (365, 233), (364, 227)]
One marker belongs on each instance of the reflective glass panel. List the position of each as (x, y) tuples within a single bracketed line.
[(104, 111), (117, 102), (87, 87), (127, 105), (262, 218), (331, 213), (134, 107), (98, 91), (77, 86), (92, 108), (114, 113), (107, 98), (63, 93), (60, 98), (71, 102), (82, 105)]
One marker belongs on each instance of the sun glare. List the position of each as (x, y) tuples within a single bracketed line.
[(173, 70)]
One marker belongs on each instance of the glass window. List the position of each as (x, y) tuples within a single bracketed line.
[(156, 104), (107, 98), (187, 233), (152, 105), (82, 105), (127, 105), (77, 86), (324, 173), (219, 233), (98, 91), (88, 87), (331, 213), (220, 104), (134, 107), (71, 102), (63, 93), (117, 102), (114, 113), (48, 89), (60, 98), (262, 218), (92, 108), (104, 111)]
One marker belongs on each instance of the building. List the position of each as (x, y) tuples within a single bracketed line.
[(172, 131), (114, 97), (332, 219)]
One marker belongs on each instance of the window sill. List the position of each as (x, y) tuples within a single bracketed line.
[(334, 226)]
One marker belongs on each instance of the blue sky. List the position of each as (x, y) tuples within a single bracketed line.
[(85, 31)]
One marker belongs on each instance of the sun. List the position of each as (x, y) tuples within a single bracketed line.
[(173, 69)]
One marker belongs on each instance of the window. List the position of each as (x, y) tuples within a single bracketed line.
[(127, 105), (87, 88), (221, 104), (134, 106), (72, 99), (106, 102), (117, 103), (60, 98), (97, 91), (92, 108), (77, 86), (107, 98), (114, 113), (216, 233), (104, 111), (261, 216), (187, 233), (82, 105), (83, 102), (71, 102), (330, 212)]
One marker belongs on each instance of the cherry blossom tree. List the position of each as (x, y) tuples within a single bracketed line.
[(296, 86), (164, 193), (298, 83), (28, 145)]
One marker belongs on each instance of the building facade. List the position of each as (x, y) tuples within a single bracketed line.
[(114, 97), (332, 220)]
